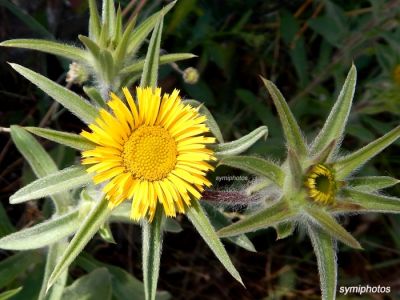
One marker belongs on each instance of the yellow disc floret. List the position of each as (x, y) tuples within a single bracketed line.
[(150, 153), (320, 184)]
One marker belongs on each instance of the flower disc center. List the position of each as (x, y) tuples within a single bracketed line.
[(150, 153), (320, 184)]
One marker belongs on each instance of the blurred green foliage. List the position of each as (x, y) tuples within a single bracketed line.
[(305, 47)]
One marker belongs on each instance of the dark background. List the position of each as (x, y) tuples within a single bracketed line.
[(306, 48)]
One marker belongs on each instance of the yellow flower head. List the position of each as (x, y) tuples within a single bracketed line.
[(153, 151), (320, 184)]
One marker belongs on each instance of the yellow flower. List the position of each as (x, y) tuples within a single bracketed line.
[(320, 184), (153, 151)]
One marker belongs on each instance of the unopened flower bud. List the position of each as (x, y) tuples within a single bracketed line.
[(76, 74), (191, 75)]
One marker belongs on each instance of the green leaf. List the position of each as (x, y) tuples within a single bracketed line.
[(324, 154), (42, 234), (71, 101), (39, 160), (122, 47), (94, 21), (54, 253), (93, 48), (64, 50), (108, 16), (93, 286), (242, 144), (150, 68), (64, 138), (372, 183), (332, 227), (335, 124), (325, 251), (257, 166), (89, 227), (107, 66), (8, 294), (203, 226), (57, 182), (218, 220), (347, 164), (164, 59), (19, 263), (118, 26), (210, 122), (272, 215), (372, 202), (296, 171), (142, 31), (291, 129), (94, 95), (283, 230), (151, 253)]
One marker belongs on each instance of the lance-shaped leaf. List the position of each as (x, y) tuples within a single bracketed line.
[(332, 227), (142, 31), (16, 264), (108, 16), (64, 50), (94, 21), (93, 48), (373, 202), (95, 285), (138, 65), (210, 122), (95, 219), (122, 47), (218, 220), (335, 124), (325, 251), (64, 138), (152, 238), (94, 95), (372, 183), (57, 182), (296, 171), (242, 144), (150, 68), (203, 226), (276, 213), (39, 160), (257, 166), (347, 164), (10, 293), (291, 129), (53, 254), (71, 101), (42, 234)]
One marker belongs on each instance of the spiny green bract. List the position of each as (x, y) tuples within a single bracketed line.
[(315, 184)]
